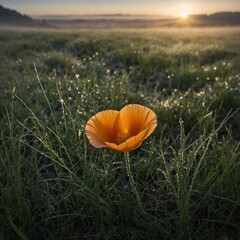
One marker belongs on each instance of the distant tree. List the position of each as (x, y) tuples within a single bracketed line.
[(9, 16)]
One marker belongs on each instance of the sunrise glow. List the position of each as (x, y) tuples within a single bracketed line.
[(173, 8), (183, 15)]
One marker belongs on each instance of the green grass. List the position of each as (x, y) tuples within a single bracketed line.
[(55, 185)]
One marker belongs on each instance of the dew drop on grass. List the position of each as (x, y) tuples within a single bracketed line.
[(79, 133)]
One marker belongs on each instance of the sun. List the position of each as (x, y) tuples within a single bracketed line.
[(183, 15)]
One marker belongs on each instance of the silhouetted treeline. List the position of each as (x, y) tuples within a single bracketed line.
[(8, 16), (216, 19)]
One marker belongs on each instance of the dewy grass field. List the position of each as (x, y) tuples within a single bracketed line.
[(55, 185)]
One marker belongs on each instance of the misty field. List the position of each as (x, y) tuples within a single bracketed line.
[(55, 185)]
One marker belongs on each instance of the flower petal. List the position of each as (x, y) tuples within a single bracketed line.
[(104, 127), (122, 130), (130, 144), (138, 118), (94, 140)]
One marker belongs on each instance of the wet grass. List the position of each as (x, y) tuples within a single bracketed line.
[(55, 185)]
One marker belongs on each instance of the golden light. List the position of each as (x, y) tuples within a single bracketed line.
[(183, 15)]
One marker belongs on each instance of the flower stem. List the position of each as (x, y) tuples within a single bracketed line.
[(127, 162)]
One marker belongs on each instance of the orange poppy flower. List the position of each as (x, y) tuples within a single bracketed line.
[(122, 130)]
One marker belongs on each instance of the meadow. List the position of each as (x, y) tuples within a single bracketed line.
[(55, 185)]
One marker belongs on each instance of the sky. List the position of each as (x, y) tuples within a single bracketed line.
[(146, 7)]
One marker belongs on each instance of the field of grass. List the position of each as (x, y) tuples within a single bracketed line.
[(55, 185)]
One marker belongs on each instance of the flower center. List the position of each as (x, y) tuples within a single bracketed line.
[(122, 137)]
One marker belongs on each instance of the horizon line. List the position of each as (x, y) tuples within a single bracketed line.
[(126, 14), (118, 14)]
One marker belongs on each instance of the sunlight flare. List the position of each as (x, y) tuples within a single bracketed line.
[(184, 15)]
